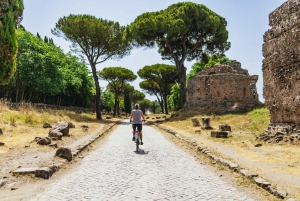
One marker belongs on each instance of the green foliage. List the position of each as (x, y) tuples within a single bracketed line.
[(183, 31), (117, 77), (210, 62), (136, 96), (174, 98), (159, 78), (154, 106), (45, 74), (10, 15), (107, 100), (145, 105), (98, 39)]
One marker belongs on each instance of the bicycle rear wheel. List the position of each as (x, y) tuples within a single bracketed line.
[(137, 145)]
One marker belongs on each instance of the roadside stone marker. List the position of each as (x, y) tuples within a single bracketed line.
[(206, 123), (195, 122), (219, 134)]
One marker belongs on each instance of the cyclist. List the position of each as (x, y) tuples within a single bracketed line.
[(136, 118)]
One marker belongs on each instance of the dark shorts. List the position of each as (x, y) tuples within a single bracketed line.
[(138, 126)]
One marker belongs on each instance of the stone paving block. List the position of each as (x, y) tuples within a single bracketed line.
[(115, 172)]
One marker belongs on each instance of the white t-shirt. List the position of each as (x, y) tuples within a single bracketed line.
[(136, 116)]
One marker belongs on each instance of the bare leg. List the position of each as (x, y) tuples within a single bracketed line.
[(141, 136)]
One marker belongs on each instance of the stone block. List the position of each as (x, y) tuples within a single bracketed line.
[(224, 127), (219, 134), (262, 183), (195, 122), (64, 152), (25, 170), (2, 182), (44, 173)]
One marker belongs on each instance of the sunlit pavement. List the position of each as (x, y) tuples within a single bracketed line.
[(160, 171)]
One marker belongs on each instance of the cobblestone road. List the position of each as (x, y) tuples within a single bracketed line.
[(161, 172)]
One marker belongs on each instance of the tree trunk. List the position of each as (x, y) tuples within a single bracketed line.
[(98, 92), (182, 77), (166, 105), (115, 106)]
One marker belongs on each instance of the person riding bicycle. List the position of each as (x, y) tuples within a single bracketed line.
[(136, 118)]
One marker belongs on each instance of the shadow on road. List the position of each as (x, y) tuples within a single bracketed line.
[(141, 152)]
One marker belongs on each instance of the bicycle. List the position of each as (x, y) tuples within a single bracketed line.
[(137, 139)]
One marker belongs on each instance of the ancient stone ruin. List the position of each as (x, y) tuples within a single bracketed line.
[(281, 73), (222, 89)]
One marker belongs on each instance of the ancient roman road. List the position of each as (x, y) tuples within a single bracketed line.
[(161, 172)]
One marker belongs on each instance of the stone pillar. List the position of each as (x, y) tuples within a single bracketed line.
[(281, 72), (206, 123)]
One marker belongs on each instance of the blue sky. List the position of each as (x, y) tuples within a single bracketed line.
[(247, 22)]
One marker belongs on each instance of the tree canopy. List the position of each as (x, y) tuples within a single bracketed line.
[(10, 15), (45, 74), (159, 80), (183, 31), (136, 96), (117, 77), (98, 39)]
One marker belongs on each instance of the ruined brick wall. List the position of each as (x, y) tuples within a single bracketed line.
[(281, 66), (222, 89), (281, 70)]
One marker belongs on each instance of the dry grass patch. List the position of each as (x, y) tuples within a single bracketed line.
[(20, 126)]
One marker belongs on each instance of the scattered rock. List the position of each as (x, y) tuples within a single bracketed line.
[(53, 145), (64, 152), (44, 141), (108, 117), (85, 127), (60, 128), (224, 127), (47, 125), (258, 145), (1, 132), (44, 173), (55, 134), (195, 122), (13, 188), (56, 138), (2, 143), (219, 134), (198, 131), (248, 173), (281, 194), (71, 125), (262, 183), (2, 182)]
